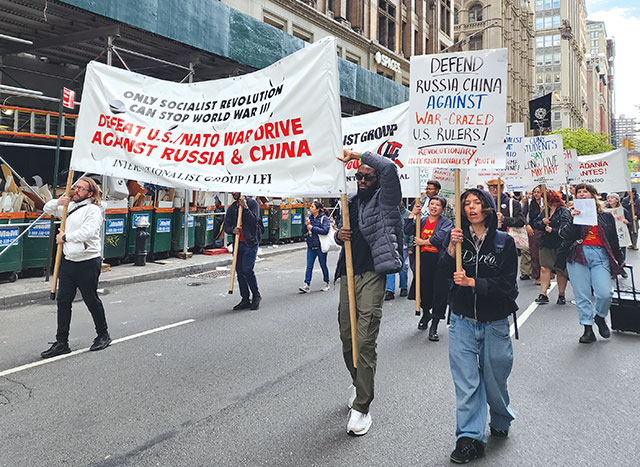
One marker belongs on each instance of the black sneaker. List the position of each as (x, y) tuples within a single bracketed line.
[(58, 348), (403, 292), (624, 274), (467, 449), (525, 277), (561, 300), (100, 342), (255, 303), (244, 304), (588, 337), (499, 433), (603, 329), (433, 334), (542, 299), (388, 295)]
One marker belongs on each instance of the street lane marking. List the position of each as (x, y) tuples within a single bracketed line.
[(10, 371), (528, 312)]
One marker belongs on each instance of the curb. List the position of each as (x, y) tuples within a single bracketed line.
[(37, 295)]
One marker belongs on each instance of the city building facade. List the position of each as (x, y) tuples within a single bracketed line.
[(625, 129), (481, 24), (600, 73)]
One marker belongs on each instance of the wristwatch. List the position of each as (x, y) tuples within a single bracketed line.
[(64, 238)]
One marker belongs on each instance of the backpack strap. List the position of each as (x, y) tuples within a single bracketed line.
[(499, 241)]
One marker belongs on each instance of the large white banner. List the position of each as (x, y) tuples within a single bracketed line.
[(543, 162), (608, 171), (383, 133), (274, 132), (457, 108), (572, 166)]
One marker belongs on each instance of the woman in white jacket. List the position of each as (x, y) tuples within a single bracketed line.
[(80, 267)]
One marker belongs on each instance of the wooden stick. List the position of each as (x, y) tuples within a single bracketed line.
[(544, 195), (351, 286), (457, 211), (499, 199), (236, 244), (417, 259), (63, 224), (632, 202)]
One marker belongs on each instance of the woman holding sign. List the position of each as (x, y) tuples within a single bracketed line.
[(593, 255), (433, 284)]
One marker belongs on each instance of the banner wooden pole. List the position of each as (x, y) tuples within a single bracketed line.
[(544, 196), (417, 259), (63, 224), (632, 202), (351, 287), (236, 243), (499, 199), (457, 211)]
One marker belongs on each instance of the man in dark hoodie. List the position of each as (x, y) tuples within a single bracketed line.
[(481, 299), (377, 250)]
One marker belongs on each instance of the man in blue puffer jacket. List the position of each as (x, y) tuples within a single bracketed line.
[(377, 250)]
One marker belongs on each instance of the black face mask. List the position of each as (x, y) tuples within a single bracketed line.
[(366, 194)]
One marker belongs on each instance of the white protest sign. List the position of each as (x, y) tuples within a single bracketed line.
[(572, 166), (383, 133), (588, 214), (608, 172), (254, 133), (623, 232), (543, 161), (457, 109)]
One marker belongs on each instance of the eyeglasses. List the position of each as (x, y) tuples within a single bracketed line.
[(367, 177), (81, 188)]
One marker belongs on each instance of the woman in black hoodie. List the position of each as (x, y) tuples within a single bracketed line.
[(481, 299)]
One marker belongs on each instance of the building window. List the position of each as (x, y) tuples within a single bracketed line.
[(303, 34), (594, 44), (475, 13), (351, 57), (593, 34), (539, 42), (547, 4), (539, 5), (556, 58), (456, 15), (475, 42), (556, 77), (556, 21), (539, 23), (548, 58), (556, 39), (330, 5), (445, 16), (556, 96), (275, 21), (556, 3), (539, 78), (556, 115), (539, 59), (548, 41), (387, 24), (547, 77)]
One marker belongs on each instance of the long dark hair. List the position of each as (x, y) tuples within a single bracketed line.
[(487, 207), (594, 194)]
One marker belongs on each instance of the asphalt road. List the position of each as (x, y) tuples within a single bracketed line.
[(269, 387)]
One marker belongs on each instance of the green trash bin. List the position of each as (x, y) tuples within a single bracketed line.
[(134, 214), (177, 238), (162, 231), (297, 221), (11, 260), (115, 234), (204, 229), (285, 223), (35, 250)]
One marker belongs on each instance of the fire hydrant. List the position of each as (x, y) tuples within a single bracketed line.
[(141, 241)]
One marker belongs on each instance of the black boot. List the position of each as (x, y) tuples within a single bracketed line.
[(244, 304), (424, 321), (101, 342), (588, 337), (603, 329), (433, 331), (58, 348)]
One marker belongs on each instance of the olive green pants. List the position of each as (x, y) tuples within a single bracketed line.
[(369, 291)]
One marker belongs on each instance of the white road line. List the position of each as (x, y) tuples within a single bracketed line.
[(524, 316), (86, 349)]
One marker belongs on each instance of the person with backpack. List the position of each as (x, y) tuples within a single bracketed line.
[(317, 224), (250, 232), (481, 299)]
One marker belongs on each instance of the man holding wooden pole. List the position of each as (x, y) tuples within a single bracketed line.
[(81, 266), (375, 236), (247, 228)]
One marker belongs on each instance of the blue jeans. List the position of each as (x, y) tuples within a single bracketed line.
[(244, 268), (481, 358), (312, 253), (391, 278), (595, 275)]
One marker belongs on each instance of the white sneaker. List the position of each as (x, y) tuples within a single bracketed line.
[(304, 288), (352, 397), (326, 287), (359, 423)]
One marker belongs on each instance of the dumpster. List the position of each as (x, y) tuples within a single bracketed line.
[(297, 215), (285, 223), (205, 231), (115, 234), (134, 214), (11, 260), (161, 231), (177, 237), (264, 214), (35, 250)]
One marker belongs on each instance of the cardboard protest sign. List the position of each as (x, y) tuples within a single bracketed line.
[(254, 133), (623, 232), (384, 133), (608, 172), (457, 105), (543, 161), (572, 166)]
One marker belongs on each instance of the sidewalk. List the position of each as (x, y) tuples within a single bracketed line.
[(35, 288)]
